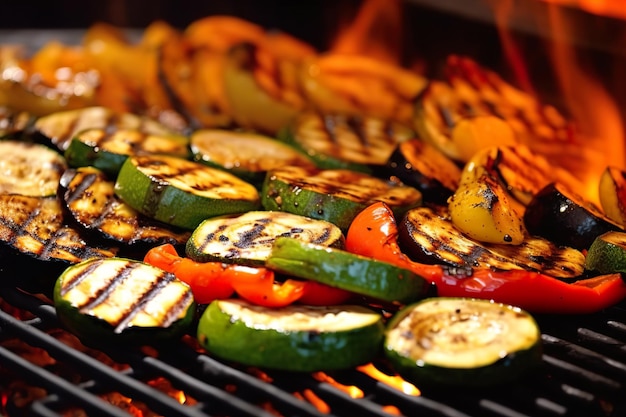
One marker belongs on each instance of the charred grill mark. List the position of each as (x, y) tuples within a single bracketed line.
[(101, 294), (247, 238), (329, 128), (210, 237), (78, 192), (72, 283), (356, 125), (158, 284), (446, 115)]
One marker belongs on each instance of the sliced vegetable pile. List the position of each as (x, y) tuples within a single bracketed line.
[(288, 220)]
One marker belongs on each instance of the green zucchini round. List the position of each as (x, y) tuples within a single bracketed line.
[(462, 342), (123, 300), (607, 254), (180, 192), (248, 238), (333, 195), (293, 338)]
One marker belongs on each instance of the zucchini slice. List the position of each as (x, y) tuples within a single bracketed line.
[(607, 254), (107, 150), (59, 128), (90, 199), (248, 238), (334, 195), (293, 338), (339, 141), (561, 215), (462, 342), (348, 271), (428, 235), (123, 300), (29, 169), (182, 193), (421, 165), (247, 155)]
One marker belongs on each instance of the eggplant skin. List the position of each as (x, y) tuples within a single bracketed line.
[(565, 218)]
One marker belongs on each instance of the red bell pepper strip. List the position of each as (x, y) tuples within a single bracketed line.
[(216, 280), (374, 233)]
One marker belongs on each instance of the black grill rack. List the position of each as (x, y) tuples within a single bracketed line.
[(583, 373)]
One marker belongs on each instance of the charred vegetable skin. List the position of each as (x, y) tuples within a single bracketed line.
[(374, 233), (421, 165), (560, 215), (607, 254), (462, 342), (90, 199)]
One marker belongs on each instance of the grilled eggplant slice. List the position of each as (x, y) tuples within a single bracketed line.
[(293, 338), (462, 342), (121, 300), (182, 193), (248, 238), (59, 128), (561, 215), (421, 165), (90, 199), (29, 169), (244, 154), (336, 196), (107, 150), (39, 244), (338, 141), (427, 235)]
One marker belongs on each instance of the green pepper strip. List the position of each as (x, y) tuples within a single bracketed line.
[(374, 233)]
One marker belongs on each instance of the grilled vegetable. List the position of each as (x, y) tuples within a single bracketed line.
[(428, 235), (473, 134), (345, 270), (332, 195), (248, 238), (607, 254), (421, 165), (462, 342), (14, 124), (60, 127), (612, 193), (374, 233), (338, 141), (180, 192), (481, 210), (90, 199), (564, 217), (293, 338), (29, 169), (38, 243), (251, 106), (217, 280), (247, 155), (522, 172), (122, 300), (108, 150)]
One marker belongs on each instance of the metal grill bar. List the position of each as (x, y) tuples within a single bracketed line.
[(581, 375)]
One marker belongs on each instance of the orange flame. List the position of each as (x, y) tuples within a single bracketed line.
[(610, 8), (394, 381)]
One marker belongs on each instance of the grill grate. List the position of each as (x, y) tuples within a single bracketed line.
[(582, 374)]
